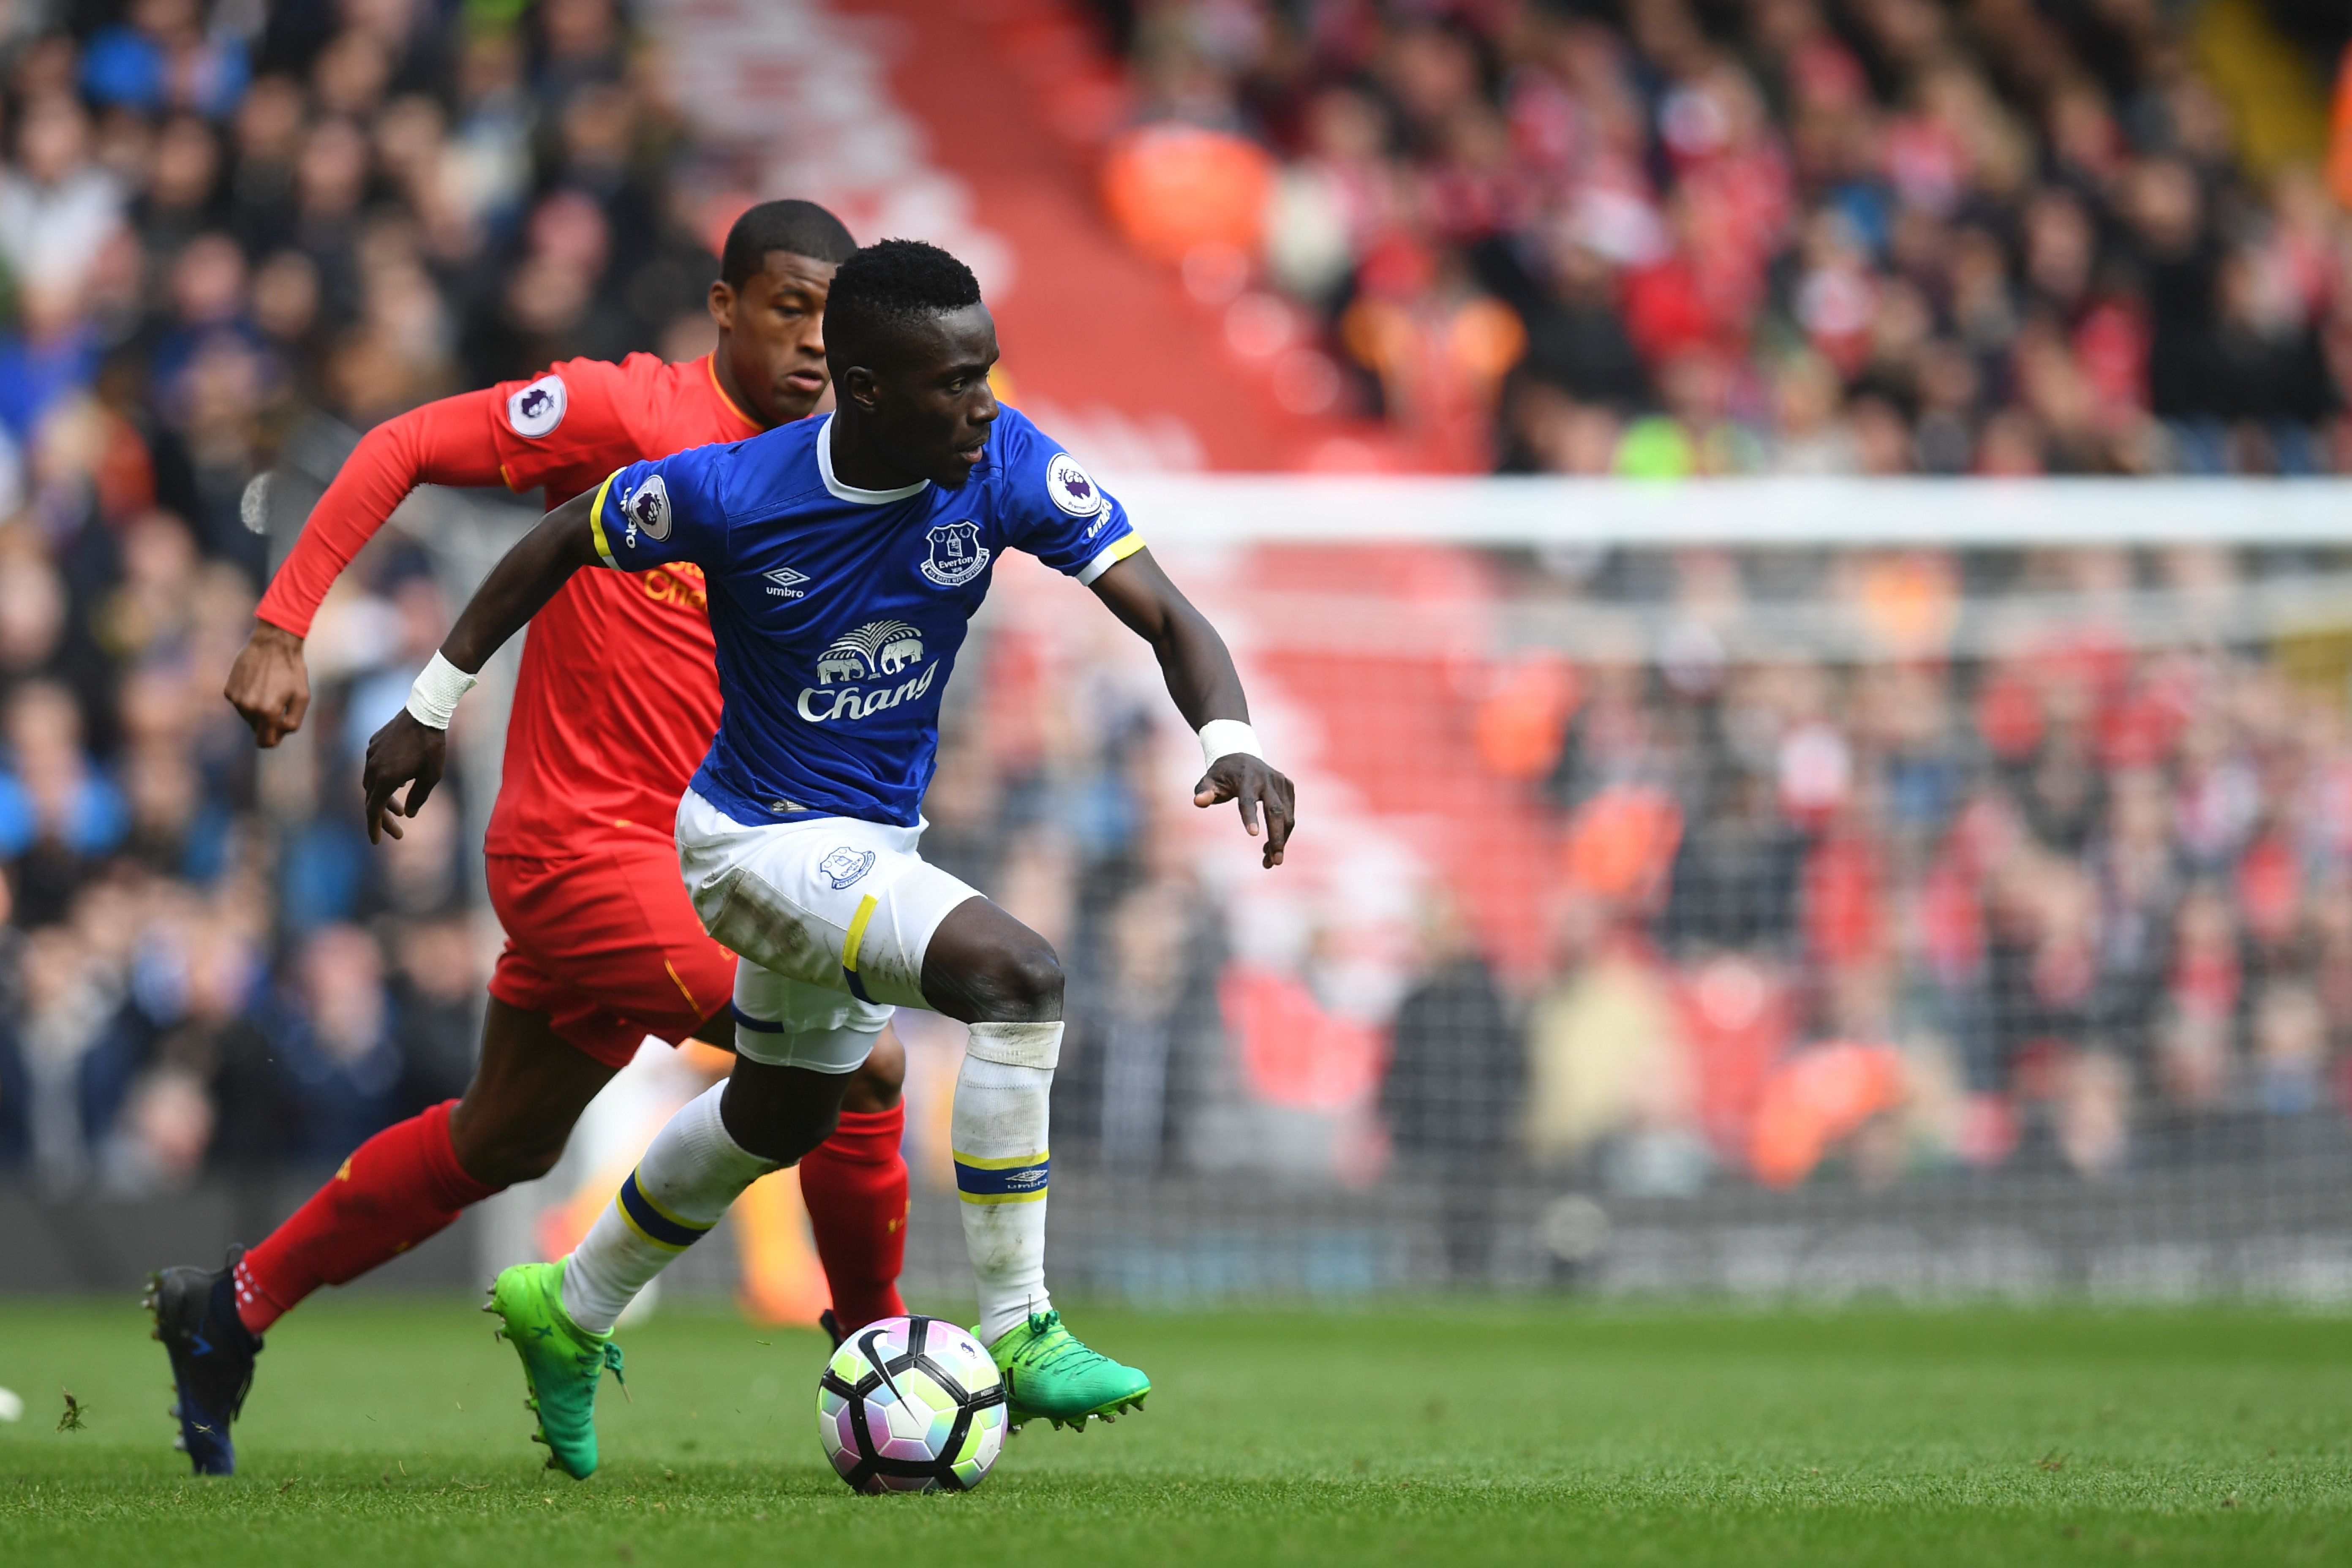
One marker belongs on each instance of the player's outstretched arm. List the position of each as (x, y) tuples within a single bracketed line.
[(413, 748), (1208, 690), (446, 443)]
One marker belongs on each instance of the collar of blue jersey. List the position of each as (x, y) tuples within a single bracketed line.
[(851, 492)]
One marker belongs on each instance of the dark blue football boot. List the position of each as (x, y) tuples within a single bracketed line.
[(212, 1354)]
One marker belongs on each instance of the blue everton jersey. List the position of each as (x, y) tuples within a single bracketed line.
[(837, 611)]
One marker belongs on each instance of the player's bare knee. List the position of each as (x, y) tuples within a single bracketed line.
[(1018, 983)]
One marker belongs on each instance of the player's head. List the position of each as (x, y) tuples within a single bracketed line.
[(910, 345), (769, 303)]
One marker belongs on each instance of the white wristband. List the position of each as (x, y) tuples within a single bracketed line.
[(1223, 737), (435, 696)]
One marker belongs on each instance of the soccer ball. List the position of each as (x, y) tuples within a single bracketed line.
[(911, 1405)]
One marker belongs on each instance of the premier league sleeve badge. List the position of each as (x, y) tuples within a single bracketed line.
[(1071, 488), (646, 508), (533, 411)]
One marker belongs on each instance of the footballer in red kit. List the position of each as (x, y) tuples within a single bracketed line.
[(602, 946), (583, 869)]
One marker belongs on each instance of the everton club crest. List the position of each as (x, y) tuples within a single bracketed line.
[(956, 554), (844, 865)]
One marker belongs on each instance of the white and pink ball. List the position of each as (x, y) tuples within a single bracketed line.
[(911, 1405)]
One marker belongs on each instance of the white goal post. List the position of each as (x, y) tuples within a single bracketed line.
[(1236, 509)]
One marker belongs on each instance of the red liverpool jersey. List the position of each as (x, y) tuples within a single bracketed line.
[(619, 692)]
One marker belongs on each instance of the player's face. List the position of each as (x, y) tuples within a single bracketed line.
[(772, 335), (932, 408)]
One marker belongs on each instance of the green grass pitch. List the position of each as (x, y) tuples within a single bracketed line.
[(391, 1431)]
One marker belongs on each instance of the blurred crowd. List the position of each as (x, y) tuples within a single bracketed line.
[(2078, 900), (222, 225), (1814, 237)]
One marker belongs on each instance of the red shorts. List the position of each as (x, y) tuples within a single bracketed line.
[(607, 946)]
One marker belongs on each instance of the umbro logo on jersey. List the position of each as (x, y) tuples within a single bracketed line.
[(785, 583)]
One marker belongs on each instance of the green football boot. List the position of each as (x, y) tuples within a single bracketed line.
[(1049, 1372), (562, 1361)]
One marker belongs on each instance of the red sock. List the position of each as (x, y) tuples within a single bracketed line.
[(854, 1184), (397, 1188)]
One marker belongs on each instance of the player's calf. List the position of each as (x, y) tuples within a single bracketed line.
[(986, 967), (526, 1095), (796, 1047)]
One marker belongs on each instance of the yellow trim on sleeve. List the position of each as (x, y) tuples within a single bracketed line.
[(866, 908), (597, 520), (1117, 551), (1035, 1197)]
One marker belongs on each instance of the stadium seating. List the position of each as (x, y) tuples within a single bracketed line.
[(1776, 236)]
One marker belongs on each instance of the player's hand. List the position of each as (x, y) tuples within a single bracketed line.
[(402, 752), (268, 684), (1239, 776)]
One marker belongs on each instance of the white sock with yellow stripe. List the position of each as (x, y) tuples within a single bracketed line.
[(690, 1174), (1002, 1104)]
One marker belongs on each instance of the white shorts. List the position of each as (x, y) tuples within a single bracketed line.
[(828, 920)]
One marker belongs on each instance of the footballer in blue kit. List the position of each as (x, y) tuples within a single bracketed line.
[(842, 559), (839, 610)]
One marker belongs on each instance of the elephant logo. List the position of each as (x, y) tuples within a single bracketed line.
[(897, 654), (833, 667), (874, 650), (878, 651)]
